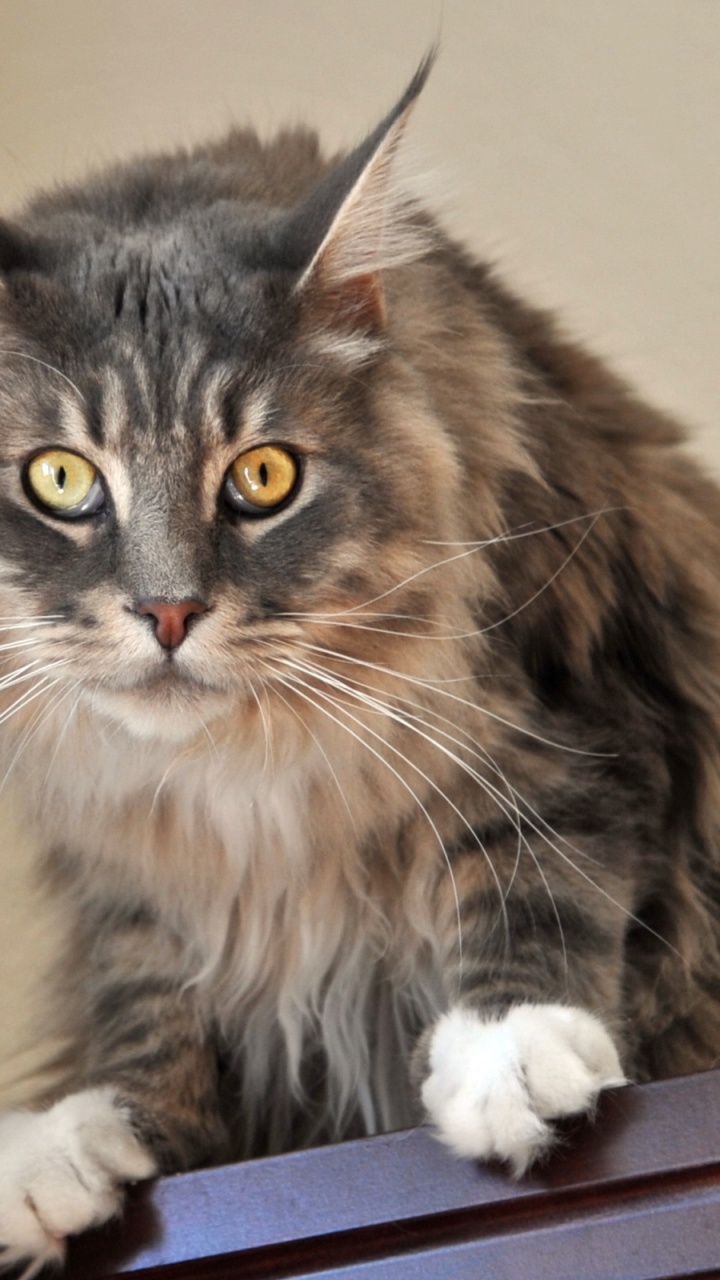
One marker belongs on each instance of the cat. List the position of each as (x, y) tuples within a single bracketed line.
[(360, 674)]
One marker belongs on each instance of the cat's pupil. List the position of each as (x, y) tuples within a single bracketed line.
[(61, 478), (263, 474)]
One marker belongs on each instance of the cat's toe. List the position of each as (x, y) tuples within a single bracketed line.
[(61, 1171), (495, 1083)]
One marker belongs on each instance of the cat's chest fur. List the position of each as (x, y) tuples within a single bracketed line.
[(263, 853), (257, 841)]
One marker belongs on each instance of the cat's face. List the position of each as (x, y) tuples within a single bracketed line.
[(247, 491), (208, 466)]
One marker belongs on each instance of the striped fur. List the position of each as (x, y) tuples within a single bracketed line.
[(443, 744)]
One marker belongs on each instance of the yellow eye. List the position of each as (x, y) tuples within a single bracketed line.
[(65, 483), (262, 478)]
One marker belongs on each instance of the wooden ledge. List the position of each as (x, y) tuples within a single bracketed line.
[(635, 1195)]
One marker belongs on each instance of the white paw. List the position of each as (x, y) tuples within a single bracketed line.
[(494, 1084), (62, 1171)]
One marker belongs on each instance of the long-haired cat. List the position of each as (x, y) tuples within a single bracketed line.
[(360, 673)]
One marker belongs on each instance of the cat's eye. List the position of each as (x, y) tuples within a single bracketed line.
[(261, 480), (65, 483)]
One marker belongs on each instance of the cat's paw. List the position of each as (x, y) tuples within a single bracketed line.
[(495, 1083), (62, 1171)]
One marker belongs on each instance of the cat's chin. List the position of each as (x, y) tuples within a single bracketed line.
[(178, 718)]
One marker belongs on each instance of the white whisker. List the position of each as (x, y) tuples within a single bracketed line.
[(291, 682), (331, 618), (267, 732), (379, 707), (29, 620), (76, 688), (536, 595), (28, 642), (30, 695), (293, 710), (44, 713), (528, 530), (424, 683), (525, 811), (23, 355), (22, 674), (471, 548)]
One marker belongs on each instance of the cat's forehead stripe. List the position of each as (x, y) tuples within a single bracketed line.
[(120, 485), (229, 418), (74, 424), (114, 407), (194, 363), (257, 412), (212, 405), (142, 383)]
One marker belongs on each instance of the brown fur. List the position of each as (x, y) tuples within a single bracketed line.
[(462, 742)]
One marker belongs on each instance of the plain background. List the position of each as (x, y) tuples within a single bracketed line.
[(575, 142)]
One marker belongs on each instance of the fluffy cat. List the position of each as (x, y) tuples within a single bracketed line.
[(360, 672)]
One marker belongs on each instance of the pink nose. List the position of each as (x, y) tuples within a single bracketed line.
[(170, 619)]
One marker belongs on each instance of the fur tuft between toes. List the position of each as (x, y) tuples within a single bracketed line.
[(494, 1084), (62, 1171)]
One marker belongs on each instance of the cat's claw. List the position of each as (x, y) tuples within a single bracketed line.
[(62, 1171), (495, 1083)]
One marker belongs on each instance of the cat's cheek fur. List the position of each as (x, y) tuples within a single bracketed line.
[(494, 1083), (62, 1171)]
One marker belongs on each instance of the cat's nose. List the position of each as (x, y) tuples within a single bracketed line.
[(170, 618)]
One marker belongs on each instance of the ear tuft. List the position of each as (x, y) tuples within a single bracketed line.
[(365, 221)]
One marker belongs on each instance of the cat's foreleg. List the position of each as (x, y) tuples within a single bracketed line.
[(527, 1038), (145, 1101)]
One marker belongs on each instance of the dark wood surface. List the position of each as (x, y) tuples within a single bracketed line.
[(634, 1195)]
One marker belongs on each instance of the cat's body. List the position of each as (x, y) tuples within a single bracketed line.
[(428, 731)]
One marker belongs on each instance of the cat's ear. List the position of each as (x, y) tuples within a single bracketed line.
[(356, 223)]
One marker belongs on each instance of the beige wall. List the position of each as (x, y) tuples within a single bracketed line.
[(576, 141)]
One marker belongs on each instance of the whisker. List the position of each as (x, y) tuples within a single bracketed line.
[(478, 631), (430, 681), (28, 697), (291, 683), (394, 631), (539, 826), (27, 642), (17, 622), (480, 752), (526, 603), (410, 722), (44, 713), (424, 683), (320, 748), (267, 733), (535, 822), (528, 530), (206, 730), (163, 779), (412, 764), (75, 686), (419, 573), (23, 355), (471, 548), (20, 674)]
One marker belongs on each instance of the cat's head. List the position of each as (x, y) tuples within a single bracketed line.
[(212, 453)]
